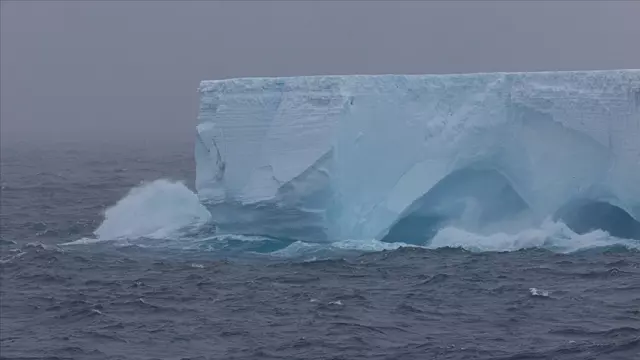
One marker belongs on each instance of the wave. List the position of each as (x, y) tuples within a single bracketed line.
[(165, 213), (161, 209), (551, 235)]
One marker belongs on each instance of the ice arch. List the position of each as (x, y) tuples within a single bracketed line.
[(586, 215), (476, 199)]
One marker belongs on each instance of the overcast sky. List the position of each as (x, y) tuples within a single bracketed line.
[(129, 70)]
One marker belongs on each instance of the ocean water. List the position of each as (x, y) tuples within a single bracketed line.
[(105, 253)]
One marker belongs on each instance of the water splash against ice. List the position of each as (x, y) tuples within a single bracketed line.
[(170, 215), (551, 235), (156, 210)]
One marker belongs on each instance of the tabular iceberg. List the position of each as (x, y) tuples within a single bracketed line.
[(358, 157)]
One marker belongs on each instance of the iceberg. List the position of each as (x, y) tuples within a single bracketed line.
[(328, 158)]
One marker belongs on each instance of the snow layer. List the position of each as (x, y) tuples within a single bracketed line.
[(346, 157)]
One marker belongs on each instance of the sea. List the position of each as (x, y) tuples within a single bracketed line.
[(106, 253)]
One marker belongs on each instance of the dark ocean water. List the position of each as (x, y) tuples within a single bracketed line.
[(147, 284)]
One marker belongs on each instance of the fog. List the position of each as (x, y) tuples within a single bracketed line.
[(123, 70)]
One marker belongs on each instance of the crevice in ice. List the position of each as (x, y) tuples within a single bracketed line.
[(220, 163), (209, 177), (474, 199), (585, 215)]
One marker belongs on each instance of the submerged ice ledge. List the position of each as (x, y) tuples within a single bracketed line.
[(349, 157)]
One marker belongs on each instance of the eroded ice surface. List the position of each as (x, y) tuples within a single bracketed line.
[(349, 157)]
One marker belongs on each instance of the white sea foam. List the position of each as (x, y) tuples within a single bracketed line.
[(550, 235), (538, 292)]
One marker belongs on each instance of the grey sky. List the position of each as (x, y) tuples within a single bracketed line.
[(122, 69)]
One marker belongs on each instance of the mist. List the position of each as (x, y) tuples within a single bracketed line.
[(128, 70)]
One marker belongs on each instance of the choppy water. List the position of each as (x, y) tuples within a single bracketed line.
[(97, 266)]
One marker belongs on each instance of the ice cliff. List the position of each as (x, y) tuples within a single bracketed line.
[(354, 157)]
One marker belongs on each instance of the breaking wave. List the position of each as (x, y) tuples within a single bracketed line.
[(168, 214), (157, 210)]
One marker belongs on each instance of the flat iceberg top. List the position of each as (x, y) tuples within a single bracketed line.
[(319, 83), (353, 155)]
